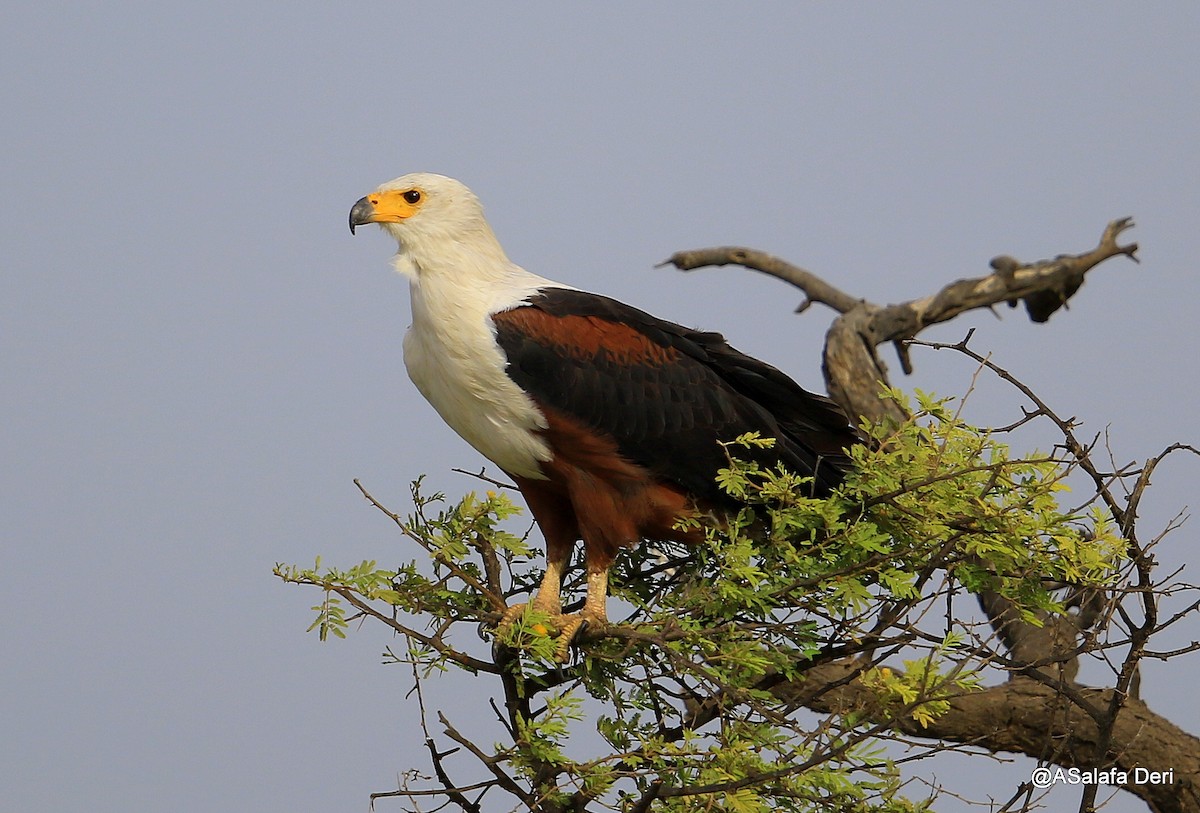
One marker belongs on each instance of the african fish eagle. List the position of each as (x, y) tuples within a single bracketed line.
[(607, 418)]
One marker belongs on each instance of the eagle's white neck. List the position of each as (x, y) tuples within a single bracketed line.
[(451, 352), (468, 254)]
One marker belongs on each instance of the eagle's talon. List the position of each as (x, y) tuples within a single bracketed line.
[(510, 615), (566, 627), (569, 626)]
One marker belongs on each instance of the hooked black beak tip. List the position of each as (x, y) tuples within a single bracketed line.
[(361, 213)]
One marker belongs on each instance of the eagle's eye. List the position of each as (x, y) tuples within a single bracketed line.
[(412, 196)]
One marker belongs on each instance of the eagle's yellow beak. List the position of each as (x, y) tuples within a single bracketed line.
[(383, 207)]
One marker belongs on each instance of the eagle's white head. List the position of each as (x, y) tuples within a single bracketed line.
[(437, 221)]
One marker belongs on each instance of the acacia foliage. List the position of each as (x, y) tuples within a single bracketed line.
[(698, 690)]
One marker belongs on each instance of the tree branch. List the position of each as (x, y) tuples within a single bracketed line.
[(815, 288), (1025, 716), (853, 369), (1049, 282), (491, 762)]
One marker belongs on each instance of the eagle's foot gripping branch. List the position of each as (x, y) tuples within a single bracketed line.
[(566, 627)]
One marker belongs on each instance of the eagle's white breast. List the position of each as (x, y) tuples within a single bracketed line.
[(453, 358)]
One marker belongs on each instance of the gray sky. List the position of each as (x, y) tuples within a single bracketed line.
[(197, 358)]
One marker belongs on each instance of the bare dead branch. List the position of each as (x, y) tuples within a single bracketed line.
[(814, 288), (1049, 282), (853, 369)]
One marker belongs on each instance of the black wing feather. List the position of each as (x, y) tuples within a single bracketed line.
[(666, 410)]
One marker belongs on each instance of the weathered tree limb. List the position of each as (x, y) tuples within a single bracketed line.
[(1030, 717), (815, 288), (853, 369), (1011, 281)]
